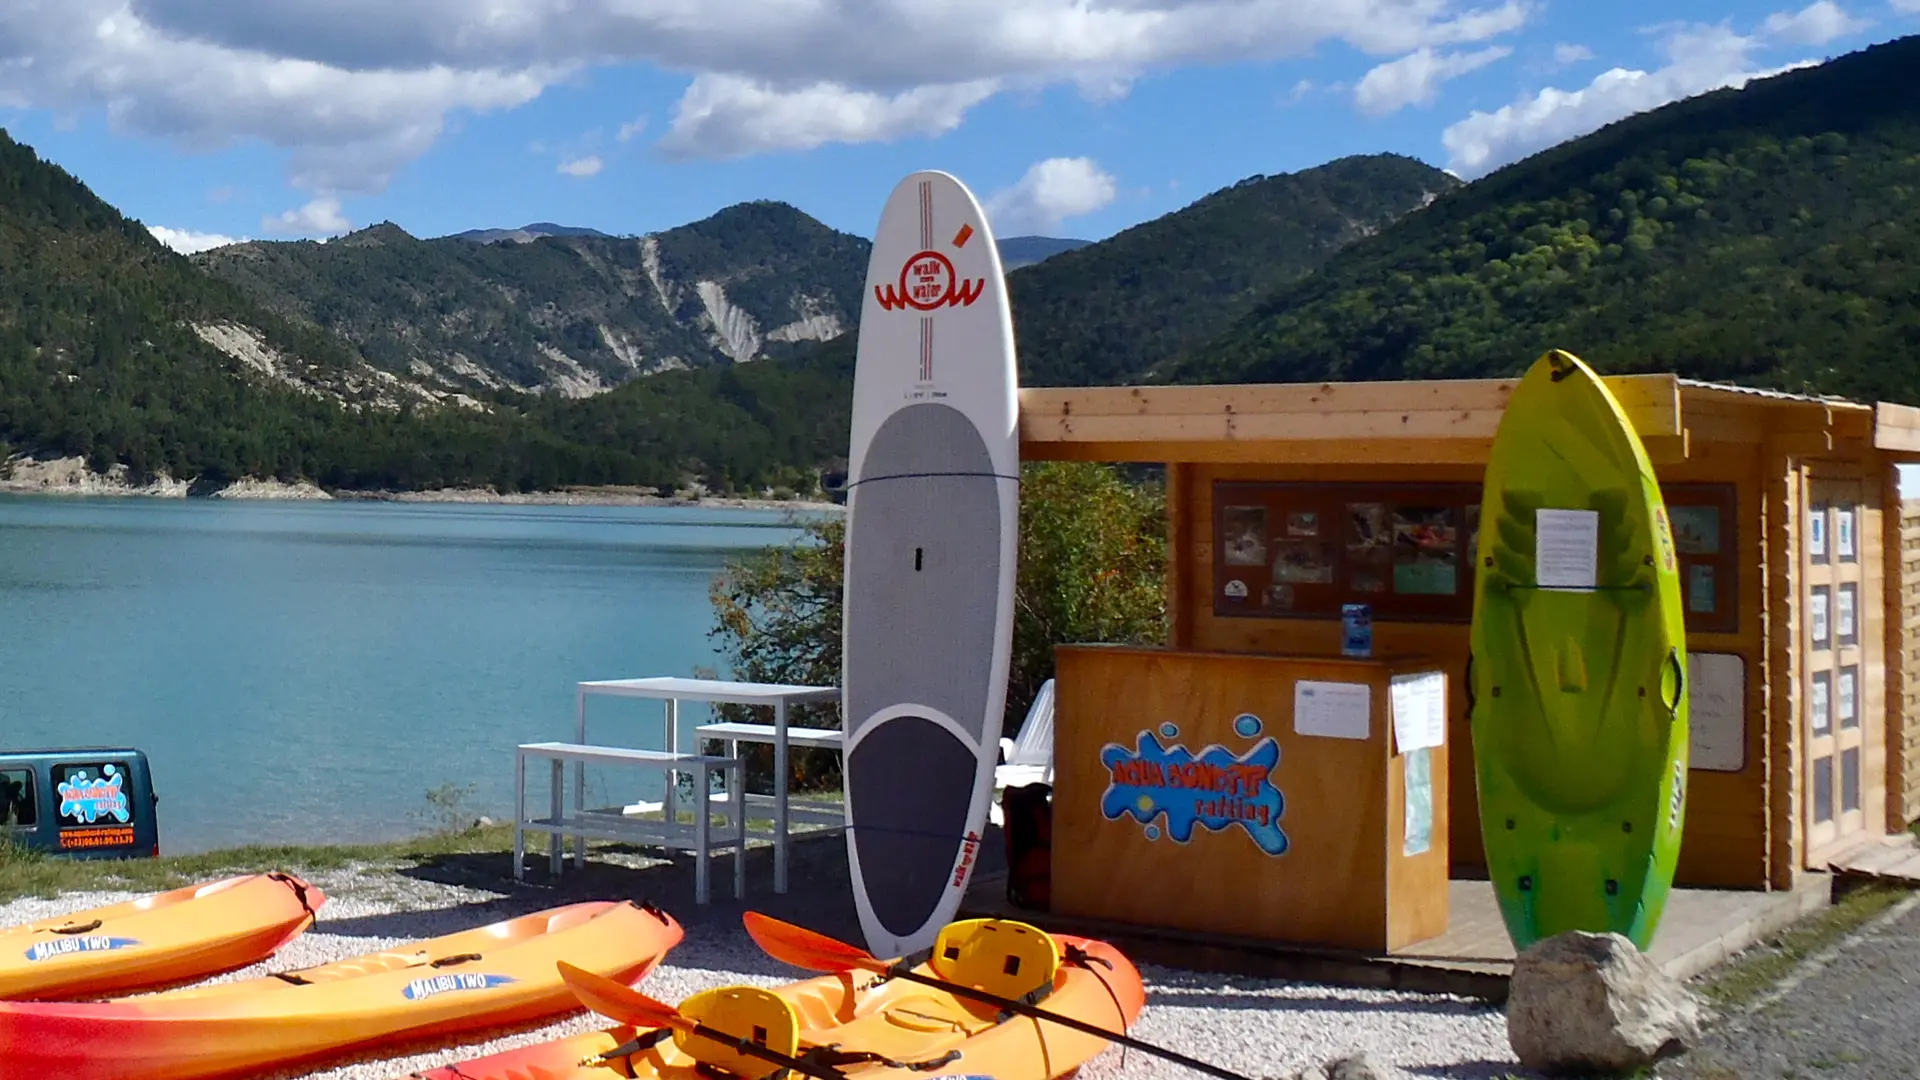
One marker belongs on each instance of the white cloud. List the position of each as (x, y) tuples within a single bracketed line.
[(187, 242), (1699, 58), (1051, 192), (1414, 78), (582, 167), (1815, 24), (632, 129), (346, 130), (321, 217), (1905, 7), (723, 116), (1574, 54), (355, 89)]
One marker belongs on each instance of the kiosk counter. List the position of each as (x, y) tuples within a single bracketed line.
[(1296, 799)]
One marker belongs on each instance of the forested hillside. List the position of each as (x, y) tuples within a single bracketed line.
[(114, 348), (572, 314), (1104, 313), (1769, 235)]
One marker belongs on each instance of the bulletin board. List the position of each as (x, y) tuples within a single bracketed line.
[(1705, 526), (1302, 549)]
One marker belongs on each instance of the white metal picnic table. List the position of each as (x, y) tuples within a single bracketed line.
[(673, 689)]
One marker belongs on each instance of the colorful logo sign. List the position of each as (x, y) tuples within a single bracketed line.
[(69, 946), (90, 800), (433, 985), (1215, 789)]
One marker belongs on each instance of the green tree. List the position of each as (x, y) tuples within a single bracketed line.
[(1093, 557)]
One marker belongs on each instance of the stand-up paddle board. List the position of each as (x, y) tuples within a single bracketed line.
[(932, 503), (1577, 674)]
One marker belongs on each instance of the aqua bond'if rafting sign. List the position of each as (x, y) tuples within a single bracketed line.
[(1215, 789)]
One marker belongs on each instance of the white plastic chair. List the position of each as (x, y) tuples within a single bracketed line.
[(1030, 759)]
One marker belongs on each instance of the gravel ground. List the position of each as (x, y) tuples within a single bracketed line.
[(1260, 1028), (1850, 1013)]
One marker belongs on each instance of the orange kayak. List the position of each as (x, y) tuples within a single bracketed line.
[(885, 1026), (171, 937), (500, 974)]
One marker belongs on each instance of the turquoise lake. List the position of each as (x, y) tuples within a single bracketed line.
[(304, 672)]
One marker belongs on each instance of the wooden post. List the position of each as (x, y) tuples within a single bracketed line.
[(1900, 538), (1785, 483)]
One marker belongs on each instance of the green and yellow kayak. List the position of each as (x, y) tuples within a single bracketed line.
[(1577, 677)]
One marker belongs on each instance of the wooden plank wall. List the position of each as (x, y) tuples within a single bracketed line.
[(1728, 839)]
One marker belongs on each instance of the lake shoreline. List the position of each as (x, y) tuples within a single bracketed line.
[(72, 477)]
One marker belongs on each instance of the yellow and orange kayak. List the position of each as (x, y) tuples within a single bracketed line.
[(500, 974), (159, 940), (877, 1028)]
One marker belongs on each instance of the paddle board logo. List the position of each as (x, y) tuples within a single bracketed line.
[(929, 282), (90, 800), (967, 852), (70, 946), (435, 985), (1215, 789)]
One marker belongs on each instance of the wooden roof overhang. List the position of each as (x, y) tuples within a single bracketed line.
[(1449, 421)]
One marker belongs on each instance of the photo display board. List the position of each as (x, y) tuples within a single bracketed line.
[(1301, 550)]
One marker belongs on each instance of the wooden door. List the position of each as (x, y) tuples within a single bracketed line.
[(1844, 779)]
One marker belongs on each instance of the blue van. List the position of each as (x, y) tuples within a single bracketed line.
[(87, 802)]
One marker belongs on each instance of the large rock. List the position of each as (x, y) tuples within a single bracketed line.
[(1583, 1003)]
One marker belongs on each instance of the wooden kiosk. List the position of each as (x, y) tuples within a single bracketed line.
[(1286, 502)]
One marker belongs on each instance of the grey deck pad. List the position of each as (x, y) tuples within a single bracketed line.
[(922, 588)]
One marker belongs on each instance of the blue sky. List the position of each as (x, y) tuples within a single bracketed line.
[(214, 120)]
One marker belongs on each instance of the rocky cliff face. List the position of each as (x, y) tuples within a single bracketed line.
[(573, 315)]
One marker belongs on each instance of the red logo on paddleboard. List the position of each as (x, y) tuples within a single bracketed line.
[(966, 859), (929, 281)]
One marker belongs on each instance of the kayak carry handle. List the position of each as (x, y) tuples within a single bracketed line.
[(1469, 684), (80, 929), (457, 958), (1679, 683)]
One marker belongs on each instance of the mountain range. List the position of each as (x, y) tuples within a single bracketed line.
[(1769, 234), (1015, 251)]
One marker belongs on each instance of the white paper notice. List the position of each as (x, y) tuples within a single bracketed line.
[(1566, 545), (1419, 710), (1335, 710), (1716, 711)]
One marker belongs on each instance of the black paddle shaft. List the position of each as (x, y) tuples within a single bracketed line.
[(1067, 1021), (754, 1049)]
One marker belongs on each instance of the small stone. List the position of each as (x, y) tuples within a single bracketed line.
[(1582, 1002), (1362, 1066), (1311, 1072)]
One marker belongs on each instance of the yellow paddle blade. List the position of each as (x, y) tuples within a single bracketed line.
[(745, 1012), (999, 956)]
